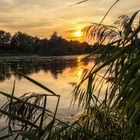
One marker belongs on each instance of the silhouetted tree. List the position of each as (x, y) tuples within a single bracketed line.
[(5, 38), (44, 48), (23, 42), (36, 44)]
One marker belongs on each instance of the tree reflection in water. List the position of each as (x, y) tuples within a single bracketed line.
[(26, 66)]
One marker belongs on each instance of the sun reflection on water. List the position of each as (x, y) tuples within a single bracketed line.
[(81, 67), (79, 73), (79, 58)]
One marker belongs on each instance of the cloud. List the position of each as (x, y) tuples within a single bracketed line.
[(80, 2), (41, 16)]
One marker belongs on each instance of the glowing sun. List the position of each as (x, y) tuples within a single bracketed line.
[(78, 34)]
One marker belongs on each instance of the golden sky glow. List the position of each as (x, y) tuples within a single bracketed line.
[(42, 17)]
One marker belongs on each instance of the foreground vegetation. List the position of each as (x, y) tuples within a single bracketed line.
[(110, 103)]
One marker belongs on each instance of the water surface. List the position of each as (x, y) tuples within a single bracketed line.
[(54, 72)]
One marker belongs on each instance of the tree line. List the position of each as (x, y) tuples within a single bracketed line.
[(22, 43)]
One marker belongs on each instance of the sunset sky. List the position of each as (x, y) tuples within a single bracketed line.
[(42, 17)]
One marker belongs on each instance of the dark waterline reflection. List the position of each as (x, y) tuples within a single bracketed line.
[(29, 66)]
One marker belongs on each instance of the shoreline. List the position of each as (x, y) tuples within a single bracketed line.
[(37, 57)]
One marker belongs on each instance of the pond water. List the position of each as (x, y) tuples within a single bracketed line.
[(55, 73)]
